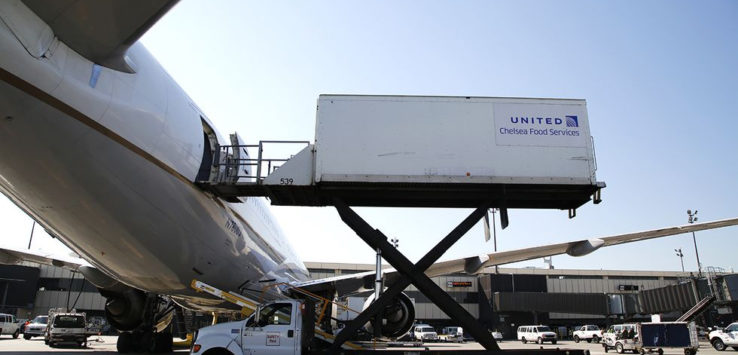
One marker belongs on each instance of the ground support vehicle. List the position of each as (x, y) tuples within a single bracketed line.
[(36, 328), (723, 338), (452, 335), (9, 325), (590, 333), (66, 327), (616, 337), (497, 336), (652, 337)]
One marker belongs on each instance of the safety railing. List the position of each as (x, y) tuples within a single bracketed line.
[(233, 163)]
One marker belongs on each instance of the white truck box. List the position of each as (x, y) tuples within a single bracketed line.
[(424, 139)]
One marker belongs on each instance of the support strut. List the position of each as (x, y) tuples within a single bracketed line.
[(412, 273)]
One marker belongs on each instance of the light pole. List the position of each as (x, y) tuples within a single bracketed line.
[(681, 256), (691, 219)]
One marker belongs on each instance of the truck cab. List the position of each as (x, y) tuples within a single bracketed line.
[(721, 339), (280, 327), (8, 325)]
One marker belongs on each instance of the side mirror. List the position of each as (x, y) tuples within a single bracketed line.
[(257, 317)]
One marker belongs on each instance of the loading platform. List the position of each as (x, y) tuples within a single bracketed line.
[(294, 182)]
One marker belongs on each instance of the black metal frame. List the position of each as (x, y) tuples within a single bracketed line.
[(412, 273)]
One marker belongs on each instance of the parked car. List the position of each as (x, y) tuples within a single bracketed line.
[(424, 332), (8, 325), (590, 333), (36, 328), (22, 324), (723, 338), (537, 333)]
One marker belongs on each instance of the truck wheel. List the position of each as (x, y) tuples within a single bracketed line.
[(596, 339), (539, 340), (661, 351), (524, 341), (619, 348), (606, 348), (735, 348), (16, 334), (718, 344), (27, 336), (589, 340), (576, 338)]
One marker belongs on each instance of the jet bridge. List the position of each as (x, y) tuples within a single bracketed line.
[(401, 151)]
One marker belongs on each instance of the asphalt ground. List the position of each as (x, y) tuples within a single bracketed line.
[(106, 345)]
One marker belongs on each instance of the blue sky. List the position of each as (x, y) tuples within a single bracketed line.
[(659, 77)]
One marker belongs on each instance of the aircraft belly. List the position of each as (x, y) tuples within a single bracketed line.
[(127, 216)]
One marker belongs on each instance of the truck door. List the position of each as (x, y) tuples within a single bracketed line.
[(274, 333)]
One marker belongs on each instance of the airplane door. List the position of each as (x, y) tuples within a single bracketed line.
[(274, 333)]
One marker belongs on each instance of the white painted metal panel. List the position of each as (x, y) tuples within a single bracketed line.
[(453, 139)]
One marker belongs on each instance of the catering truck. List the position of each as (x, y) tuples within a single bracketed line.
[(280, 327)]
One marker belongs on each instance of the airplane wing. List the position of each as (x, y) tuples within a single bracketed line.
[(365, 281), (100, 30), (12, 256)]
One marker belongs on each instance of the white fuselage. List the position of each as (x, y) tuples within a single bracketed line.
[(106, 161)]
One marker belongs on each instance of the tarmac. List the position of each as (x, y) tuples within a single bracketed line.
[(106, 345)]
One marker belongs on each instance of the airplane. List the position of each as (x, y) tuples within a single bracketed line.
[(102, 148)]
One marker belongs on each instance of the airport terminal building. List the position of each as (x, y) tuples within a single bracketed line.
[(501, 300)]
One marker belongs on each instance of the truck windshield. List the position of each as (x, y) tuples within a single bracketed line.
[(427, 330), (40, 320), (69, 322), (543, 329)]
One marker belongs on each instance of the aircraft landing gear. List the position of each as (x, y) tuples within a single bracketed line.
[(140, 341)]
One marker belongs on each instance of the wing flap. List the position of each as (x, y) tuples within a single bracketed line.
[(11, 256)]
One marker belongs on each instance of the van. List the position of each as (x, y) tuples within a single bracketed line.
[(424, 332), (536, 333), (9, 325)]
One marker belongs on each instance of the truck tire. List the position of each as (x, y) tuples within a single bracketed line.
[(16, 334), (576, 338), (539, 340), (524, 341), (218, 351), (596, 339), (27, 336), (718, 344), (619, 348)]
